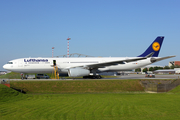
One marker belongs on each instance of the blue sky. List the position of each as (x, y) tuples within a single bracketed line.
[(117, 28)]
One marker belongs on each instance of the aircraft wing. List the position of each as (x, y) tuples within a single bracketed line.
[(105, 64)]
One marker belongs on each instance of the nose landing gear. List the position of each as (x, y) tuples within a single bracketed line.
[(22, 76)]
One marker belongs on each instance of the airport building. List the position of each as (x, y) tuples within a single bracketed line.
[(174, 63), (168, 71), (165, 71), (3, 72)]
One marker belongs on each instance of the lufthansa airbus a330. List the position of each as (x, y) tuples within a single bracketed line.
[(75, 67)]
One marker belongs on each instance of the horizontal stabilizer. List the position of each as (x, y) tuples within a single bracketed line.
[(159, 59)]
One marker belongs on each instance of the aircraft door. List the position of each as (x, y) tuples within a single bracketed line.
[(54, 62)]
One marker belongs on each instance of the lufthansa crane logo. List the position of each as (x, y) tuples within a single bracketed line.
[(156, 46)]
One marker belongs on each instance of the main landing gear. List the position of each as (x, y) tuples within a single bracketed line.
[(92, 77)]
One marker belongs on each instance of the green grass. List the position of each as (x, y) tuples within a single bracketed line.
[(14, 75), (11, 75), (8, 94), (175, 90), (103, 103), (92, 107), (79, 86)]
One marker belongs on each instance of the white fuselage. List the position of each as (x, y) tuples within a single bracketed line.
[(45, 65)]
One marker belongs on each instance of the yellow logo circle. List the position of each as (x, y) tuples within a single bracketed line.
[(156, 46)]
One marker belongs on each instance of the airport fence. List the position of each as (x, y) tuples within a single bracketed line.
[(5, 82), (160, 85)]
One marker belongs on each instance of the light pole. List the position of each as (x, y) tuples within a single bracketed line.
[(52, 51), (68, 46)]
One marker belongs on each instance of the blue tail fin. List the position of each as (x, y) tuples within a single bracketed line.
[(154, 48)]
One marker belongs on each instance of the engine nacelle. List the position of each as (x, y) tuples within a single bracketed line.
[(153, 60), (76, 72)]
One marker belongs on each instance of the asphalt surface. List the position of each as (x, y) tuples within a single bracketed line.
[(122, 77), (140, 76)]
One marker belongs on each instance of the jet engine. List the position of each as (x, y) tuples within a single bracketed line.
[(76, 72)]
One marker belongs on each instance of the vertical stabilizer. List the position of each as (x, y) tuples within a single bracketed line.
[(154, 48)]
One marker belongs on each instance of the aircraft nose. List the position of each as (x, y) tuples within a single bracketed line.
[(5, 66)]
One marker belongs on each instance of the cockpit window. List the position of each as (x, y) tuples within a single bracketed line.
[(10, 63)]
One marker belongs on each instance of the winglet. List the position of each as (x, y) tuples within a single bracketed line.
[(154, 48)]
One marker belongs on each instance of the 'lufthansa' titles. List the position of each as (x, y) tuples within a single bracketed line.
[(35, 60)]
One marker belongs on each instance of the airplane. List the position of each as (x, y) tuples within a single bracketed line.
[(75, 67)]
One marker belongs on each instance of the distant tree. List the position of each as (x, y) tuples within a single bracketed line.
[(151, 69), (160, 68), (138, 70), (166, 67), (145, 70), (156, 68), (172, 67), (177, 66)]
